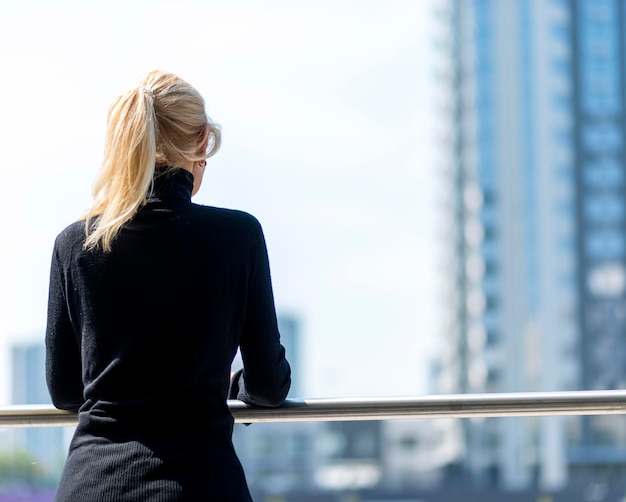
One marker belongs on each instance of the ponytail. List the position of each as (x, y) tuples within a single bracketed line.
[(128, 168)]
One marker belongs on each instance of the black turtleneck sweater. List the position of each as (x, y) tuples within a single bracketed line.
[(140, 342)]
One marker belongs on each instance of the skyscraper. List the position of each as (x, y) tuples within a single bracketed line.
[(537, 227)]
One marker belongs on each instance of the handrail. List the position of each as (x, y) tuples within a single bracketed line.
[(384, 408)]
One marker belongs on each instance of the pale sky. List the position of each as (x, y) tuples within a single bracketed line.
[(328, 119)]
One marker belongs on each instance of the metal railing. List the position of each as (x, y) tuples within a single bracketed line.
[(384, 408)]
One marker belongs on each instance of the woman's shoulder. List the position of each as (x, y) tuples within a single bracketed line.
[(72, 235), (233, 218)]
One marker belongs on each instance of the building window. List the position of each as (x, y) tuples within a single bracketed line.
[(607, 280), (601, 104), (603, 174), (605, 245), (600, 83), (602, 138), (604, 209), (597, 11)]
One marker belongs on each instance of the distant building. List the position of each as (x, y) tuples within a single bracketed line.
[(280, 457), (290, 337), (537, 229), (417, 454), (45, 444), (351, 456)]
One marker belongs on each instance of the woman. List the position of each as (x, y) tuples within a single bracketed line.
[(150, 296)]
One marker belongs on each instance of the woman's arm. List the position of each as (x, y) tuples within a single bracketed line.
[(266, 377), (63, 363)]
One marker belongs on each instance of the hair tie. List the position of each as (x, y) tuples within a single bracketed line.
[(146, 91)]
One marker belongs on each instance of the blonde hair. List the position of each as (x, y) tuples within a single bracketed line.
[(160, 122)]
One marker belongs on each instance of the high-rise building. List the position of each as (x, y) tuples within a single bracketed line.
[(537, 228), (44, 445)]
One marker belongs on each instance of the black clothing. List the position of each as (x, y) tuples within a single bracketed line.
[(140, 341)]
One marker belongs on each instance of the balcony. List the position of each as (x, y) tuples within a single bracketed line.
[(358, 475)]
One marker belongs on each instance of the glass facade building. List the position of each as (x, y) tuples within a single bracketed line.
[(537, 228)]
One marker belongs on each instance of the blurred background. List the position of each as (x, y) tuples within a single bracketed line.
[(442, 188)]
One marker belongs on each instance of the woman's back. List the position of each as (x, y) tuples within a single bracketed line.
[(140, 340)]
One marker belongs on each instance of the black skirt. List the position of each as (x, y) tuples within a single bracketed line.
[(119, 468)]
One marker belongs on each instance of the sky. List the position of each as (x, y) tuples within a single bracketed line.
[(328, 117)]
